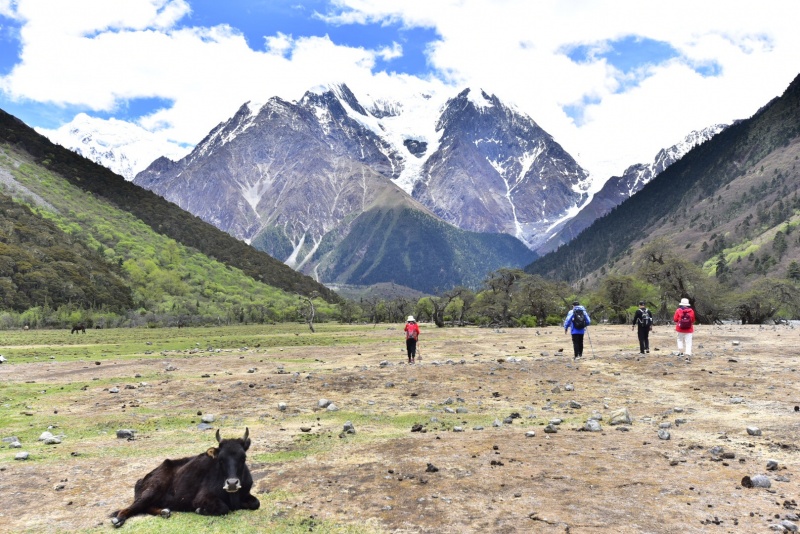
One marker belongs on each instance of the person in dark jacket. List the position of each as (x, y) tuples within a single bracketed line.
[(643, 319), (577, 320)]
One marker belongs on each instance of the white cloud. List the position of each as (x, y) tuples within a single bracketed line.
[(99, 53)]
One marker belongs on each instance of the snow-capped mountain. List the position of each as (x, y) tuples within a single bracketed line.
[(301, 179), (125, 148), (619, 188), (471, 160)]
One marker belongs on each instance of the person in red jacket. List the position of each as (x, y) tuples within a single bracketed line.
[(684, 325), (412, 335)]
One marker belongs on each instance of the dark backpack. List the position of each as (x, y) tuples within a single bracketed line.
[(646, 319), (579, 320), (685, 322)]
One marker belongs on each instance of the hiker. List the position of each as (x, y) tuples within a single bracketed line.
[(684, 325), (412, 334), (578, 319), (644, 320)]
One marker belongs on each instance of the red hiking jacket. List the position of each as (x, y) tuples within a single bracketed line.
[(677, 318)]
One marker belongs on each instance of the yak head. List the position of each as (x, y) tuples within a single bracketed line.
[(230, 457)]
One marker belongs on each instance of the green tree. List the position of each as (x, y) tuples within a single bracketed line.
[(764, 300), (496, 300), (619, 293), (779, 244), (539, 297), (793, 272)]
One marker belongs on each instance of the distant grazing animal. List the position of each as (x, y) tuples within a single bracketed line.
[(212, 483), (76, 327)]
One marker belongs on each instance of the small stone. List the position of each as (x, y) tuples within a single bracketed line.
[(458, 429), (772, 465), (753, 431), (282, 406), (21, 456), (788, 526), (663, 434), (620, 417), (114, 390), (348, 428), (592, 426), (332, 408), (550, 429), (323, 403), (569, 387), (530, 433), (125, 433), (431, 468), (737, 400), (757, 481), (574, 404), (208, 418)]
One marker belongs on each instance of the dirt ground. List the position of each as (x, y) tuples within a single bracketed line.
[(484, 478)]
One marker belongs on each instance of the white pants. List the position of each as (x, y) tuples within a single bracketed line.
[(685, 339)]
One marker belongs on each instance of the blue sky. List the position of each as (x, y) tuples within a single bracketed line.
[(612, 94)]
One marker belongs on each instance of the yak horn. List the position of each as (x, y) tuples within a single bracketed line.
[(219, 440), (246, 433)]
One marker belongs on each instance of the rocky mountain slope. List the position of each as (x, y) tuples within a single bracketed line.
[(292, 178), (617, 189), (730, 205)]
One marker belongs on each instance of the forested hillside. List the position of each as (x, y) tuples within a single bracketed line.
[(729, 206), (40, 263), (69, 254), (159, 214)]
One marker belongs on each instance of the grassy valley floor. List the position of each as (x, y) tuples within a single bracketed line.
[(386, 478)]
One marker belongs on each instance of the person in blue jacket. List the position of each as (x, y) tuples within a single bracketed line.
[(577, 319)]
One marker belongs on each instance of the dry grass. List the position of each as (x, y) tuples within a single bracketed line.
[(491, 480)]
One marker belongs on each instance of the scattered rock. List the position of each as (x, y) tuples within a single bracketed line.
[(757, 481), (664, 434), (530, 433), (620, 417), (282, 406), (550, 429), (323, 403), (208, 418), (753, 431), (22, 456), (772, 465), (125, 433), (431, 468), (348, 428), (592, 426)]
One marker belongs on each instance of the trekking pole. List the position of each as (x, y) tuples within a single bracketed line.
[(590, 342)]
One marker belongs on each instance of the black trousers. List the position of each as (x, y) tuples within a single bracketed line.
[(577, 344), (644, 339), (411, 347)]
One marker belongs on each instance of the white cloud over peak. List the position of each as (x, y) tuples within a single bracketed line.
[(612, 80)]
